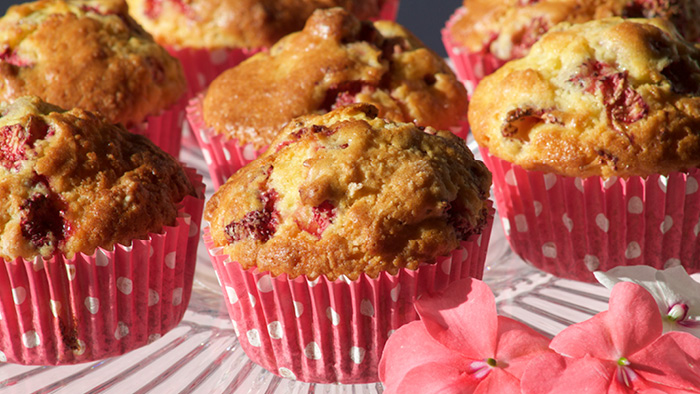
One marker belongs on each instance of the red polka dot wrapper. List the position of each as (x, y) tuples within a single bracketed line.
[(202, 66), (165, 129), (471, 67), (66, 311), (571, 226), (327, 332), (223, 155)]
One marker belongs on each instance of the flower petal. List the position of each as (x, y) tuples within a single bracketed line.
[(665, 362), (616, 332), (411, 346), (434, 378), (517, 345), (498, 382), (552, 373), (463, 318)]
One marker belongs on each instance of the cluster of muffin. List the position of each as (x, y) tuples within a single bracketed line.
[(356, 205), (345, 188)]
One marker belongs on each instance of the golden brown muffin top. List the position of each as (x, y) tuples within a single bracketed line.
[(336, 60), (508, 28), (71, 182), (86, 54), (608, 97), (215, 24), (348, 192)]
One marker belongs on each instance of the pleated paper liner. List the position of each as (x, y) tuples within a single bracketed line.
[(389, 10), (66, 311), (223, 156), (570, 226), (471, 67), (165, 129), (326, 332)]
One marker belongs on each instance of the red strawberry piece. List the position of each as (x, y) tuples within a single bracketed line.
[(260, 225), (42, 217), (15, 139)]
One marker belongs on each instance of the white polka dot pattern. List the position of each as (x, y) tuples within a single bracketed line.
[(366, 308), (521, 223), (394, 293), (633, 250), (666, 224), (592, 263), (19, 295), (446, 267), (312, 351), (92, 304), (275, 330), (333, 316), (125, 285), (170, 260), (3, 358), (635, 205), (31, 339), (549, 249), (691, 185), (231, 293), (55, 307), (121, 331), (298, 308), (602, 222), (249, 152), (153, 297), (568, 223), (357, 354), (549, 181), (253, 337), (265, 284), (101, 260), (287, 373), (70, 271), (177, 296)]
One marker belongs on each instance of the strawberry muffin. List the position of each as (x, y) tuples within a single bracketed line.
[(98, 240), (92, 55), (331, 235), (594, 142), (336, 60)]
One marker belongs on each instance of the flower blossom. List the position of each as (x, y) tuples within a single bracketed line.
[(621, 350), (460, 345), (675, 292)]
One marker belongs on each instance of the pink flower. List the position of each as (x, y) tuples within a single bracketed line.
[(621, 350), (460, 345)]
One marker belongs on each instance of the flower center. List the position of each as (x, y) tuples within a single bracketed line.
[(482, 368), (677, 312), (625, 374)]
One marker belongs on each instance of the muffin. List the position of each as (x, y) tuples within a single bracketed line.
[(482, 35), (98, 240), (212, 36), (594, 142), (336, 60), (92, 55), (323, 243)]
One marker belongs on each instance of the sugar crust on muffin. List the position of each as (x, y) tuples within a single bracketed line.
[(348, 192), (508, 28), (611, 97), (335, 60), (216, 24), (88, 54), (71, 182)]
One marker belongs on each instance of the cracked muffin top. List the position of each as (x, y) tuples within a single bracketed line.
[(215, 24), (508, 28), (347, 193), (71, 182), (86, 54), (611, 97), (336, 60)]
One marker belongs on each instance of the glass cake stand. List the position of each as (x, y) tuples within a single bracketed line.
[(202, 354)]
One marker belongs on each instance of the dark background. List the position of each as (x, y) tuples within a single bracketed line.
[(424, 18)]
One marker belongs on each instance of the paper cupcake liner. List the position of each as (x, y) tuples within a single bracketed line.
[(66, 311), (570, 226), (165, 130), (223, 156), (326, 332), (471, 67), (389, 10), (202, 66)]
